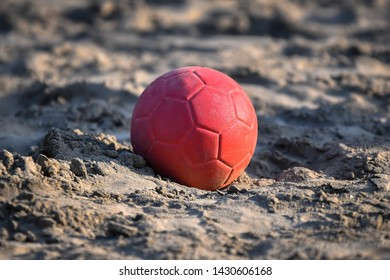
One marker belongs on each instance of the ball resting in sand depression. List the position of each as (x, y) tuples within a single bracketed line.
[(196, 126)]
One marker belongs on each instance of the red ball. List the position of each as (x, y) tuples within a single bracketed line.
[(196, 126)]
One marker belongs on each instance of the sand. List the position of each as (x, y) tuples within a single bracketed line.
[(317, 72)]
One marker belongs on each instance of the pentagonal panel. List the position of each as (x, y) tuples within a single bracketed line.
[(141, 136), (238, 169), (183, 86), (212, 109), (208, 176), (171, 121), (243, 106), (235, 143), (149, 99), (179, 71), (167, 160), (217, 79), (200, 146)]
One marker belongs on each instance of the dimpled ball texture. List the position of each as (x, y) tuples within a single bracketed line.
[(196, 126)]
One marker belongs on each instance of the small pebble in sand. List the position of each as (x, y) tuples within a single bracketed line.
[(7, 158), (78, 168), (50, 167)]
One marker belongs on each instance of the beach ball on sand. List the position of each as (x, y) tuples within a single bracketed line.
[(196, 126)]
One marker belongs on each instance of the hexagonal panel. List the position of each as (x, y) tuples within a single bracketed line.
[(171, 121), (179, 71), (200, 146), (141, 136), (183, 86), (235, 143), (217, 79), (243, 106), (149, 99), (212, 109), (238, 170), (167, 160), (209, 176)]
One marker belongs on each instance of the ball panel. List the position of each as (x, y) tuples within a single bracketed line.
[(208, 176), (214, 78), (171, 121), (141, 136), (150, 98), (238, 170), (179, 71), (255, 131), (200, 146), (243, 106), (235, 143), (183, 86), (167, 160), (212, 109)]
